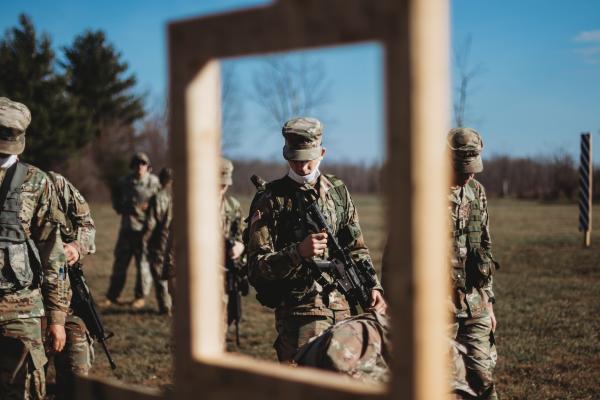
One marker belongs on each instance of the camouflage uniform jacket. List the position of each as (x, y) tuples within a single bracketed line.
[(78, 227), (463, 200), (131, 198), (232, 222), (158, 222), (278, 226), (37, 200)]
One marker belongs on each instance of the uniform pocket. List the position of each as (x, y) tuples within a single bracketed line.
[(18, 260), (480, 267)]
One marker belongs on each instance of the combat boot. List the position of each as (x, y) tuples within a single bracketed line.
[(138, 304)]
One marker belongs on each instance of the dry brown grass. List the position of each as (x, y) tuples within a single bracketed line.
[(548, 308)]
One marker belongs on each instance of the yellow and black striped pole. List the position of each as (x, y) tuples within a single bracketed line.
[(585, 189)]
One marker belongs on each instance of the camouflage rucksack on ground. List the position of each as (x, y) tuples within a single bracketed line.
[(358, 346)]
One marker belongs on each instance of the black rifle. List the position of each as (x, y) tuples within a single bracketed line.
[(84, 307), (354, 279), (235, 285)]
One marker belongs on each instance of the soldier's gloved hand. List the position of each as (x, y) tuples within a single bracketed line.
[(71, 253), (57, 335), (313, 245), (378, 304), (236, 250)]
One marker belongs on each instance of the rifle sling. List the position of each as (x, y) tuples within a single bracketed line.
[(10, 173)]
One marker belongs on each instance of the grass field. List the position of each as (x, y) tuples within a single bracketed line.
[(548, 309)]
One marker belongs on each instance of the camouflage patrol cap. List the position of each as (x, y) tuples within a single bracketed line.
[(139, 158), (14, 120), (226, 172), (302, 139), (466, 145)]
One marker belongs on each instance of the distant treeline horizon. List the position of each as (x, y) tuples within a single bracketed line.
[(548, 178)]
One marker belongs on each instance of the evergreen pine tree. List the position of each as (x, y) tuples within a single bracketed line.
[(27, 75), (98, 79)]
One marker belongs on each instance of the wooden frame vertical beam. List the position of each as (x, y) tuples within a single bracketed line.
[(417, 74)]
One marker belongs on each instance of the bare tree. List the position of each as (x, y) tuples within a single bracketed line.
[(466, 73), (232, 110), (288, 86)]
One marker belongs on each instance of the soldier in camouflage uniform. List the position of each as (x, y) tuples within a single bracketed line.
[(232, 221), (472, 264), (33, 278), (78, 234), (280, 244), (156, 234), (232, 224), (130, 200)]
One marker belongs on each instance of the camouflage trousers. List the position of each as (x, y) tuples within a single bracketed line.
[(76, 357), (294, 331), (475, 337), (358, 346), (161, 285), (22, 360), (129, 244)]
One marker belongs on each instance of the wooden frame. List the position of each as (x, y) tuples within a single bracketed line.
[(415, 38)]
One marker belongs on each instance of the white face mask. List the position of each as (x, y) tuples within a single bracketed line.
[(310, 178), (6, 162)]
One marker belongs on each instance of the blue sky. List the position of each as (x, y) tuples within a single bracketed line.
[(540, 85)]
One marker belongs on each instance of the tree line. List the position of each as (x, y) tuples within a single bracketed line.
[(83, 102), (552, 178), (360, 178), (88, 118)]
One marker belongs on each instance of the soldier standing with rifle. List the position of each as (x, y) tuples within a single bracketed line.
[(472, 265), (33, 278), (286, 243), (130, 200), (232, 222), (156, 235)]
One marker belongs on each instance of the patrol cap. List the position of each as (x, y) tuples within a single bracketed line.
[(302, 139), (466, 145), (165, 175), (226, 172), (139, 158), (14, 120)]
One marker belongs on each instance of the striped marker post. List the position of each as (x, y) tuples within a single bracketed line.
[(585, 189)]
